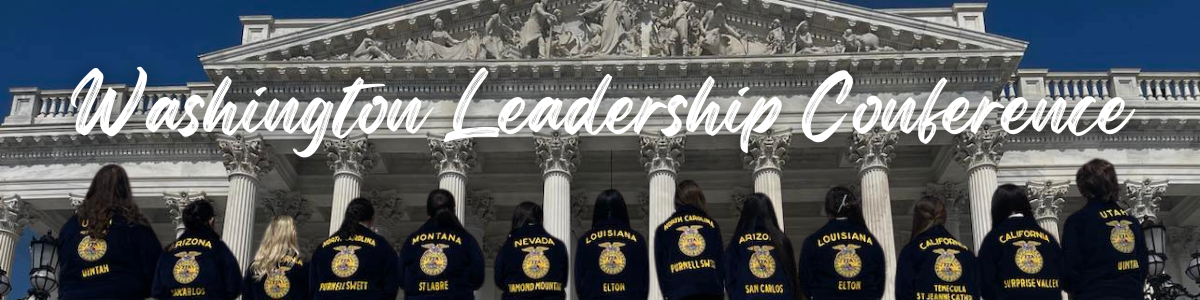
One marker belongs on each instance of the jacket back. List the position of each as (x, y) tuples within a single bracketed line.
[(287, 280), (935, 265), (612, 262), (688, 255), (1020, 260), (842, 260), (532, 265), (198, 265), (441, 263), (357, 266), (755, 268), (1105, 253), (120, 266)]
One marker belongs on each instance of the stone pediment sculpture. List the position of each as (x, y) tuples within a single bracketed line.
[(455, 30)]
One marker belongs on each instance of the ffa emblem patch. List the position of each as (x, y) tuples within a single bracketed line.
[(1121, 236), (847, 263), (947, 267), (1029, 260), (186, 268), (433, 261), (535, 265), (691, 243), (277, 284), (612, 261), (345, 263), (762, 265), (91, 249)]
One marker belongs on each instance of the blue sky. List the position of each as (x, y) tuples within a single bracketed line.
[(54, 43)]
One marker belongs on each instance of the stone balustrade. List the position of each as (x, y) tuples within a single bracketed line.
[(33, 106), (1129, 84)]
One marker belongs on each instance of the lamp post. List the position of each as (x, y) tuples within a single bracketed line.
[(43, 277), (5, 286), (1159, 285)]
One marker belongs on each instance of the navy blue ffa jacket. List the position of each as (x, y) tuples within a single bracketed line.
[(1105, 253), (1020, 260), (532, 265), (360, 266), (754, 267), (842, 260), (441, 263), (612, 262), (120, 266), (688, 255), (934, 265), (287, 280), (198, 265)]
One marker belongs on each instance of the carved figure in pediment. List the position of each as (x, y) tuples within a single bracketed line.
[(441, 45), (536, 32), (603, 23), (564, 43), (802, 39), (674, 29), (776, 38), (719, 38), (370, 49), (499, 38), (866, 42)]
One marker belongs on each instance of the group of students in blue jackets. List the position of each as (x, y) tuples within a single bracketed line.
[(110, 252)]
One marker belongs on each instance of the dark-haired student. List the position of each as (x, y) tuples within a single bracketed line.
[(759, 259), (108, 250), (531, 264), (1018, 259), (198, 265), (935, 265), (611, 260), (1103, 245), (687, 249), (441, 260), (355, 262), (277, 272), (842, 260)]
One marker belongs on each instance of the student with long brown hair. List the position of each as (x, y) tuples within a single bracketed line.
[(441, 260), (934, 264), (355, 262), (198, 265), (1103, 245), (278, 271), (687, 249), (760, 258), (842, 260), (108, 250), (1018, 259)]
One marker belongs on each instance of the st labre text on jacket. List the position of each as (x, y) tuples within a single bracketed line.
[(935, 265), (1020, 260), (1105, 253), (437, 262), (198, 265), (689, 256), (842, 260), (532, 265), (118, 266), (358, 266), (612, 262)]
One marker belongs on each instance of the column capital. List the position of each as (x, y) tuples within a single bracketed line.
[(246, 156), (481, 206), (294, 204), (872, 149), (352, 156), (1047, 198), (953, 194), (15, 214), (389, 206), (662, 153), (457, 156), (737, 199), (76, 199), (579, 210), (980, 148), (768, 150), (177, 201), (557, 153), (1142, 198)]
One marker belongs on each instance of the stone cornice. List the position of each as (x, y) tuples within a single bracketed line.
[(125, 147)]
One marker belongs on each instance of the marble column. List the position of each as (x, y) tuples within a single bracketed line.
[(661, 156), (175, 204), (453, 160), (1047, 199), (768, 152), (245, 160), (979, 152), (953, 195), (14, 216), (349, 159), (557, 156), (872, 152), (1143, 197)]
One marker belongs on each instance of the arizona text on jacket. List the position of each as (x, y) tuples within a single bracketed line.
[(612, 262), (288, 280), (360, 266), (198, 265), (441, 263), (120, 266), (1105, 253), (688, 253), (532, 265), (1020, 260), (754, 271), (935, 265), (842, 260)]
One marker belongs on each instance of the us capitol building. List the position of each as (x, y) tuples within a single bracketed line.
[(658, 48)]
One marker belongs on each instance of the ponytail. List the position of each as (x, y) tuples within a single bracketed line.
[(197, 215), (840, 202), (358, 211), (440, 208)]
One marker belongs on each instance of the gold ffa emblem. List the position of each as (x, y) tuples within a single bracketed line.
[(433, 261), (1121, 236), (345, 263), (762, 265), (1029, 260), (691, 243), (847, 263), (535, 265), (277, 284), (186, 268), (612, 261), (947, 267), (91, 249)]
